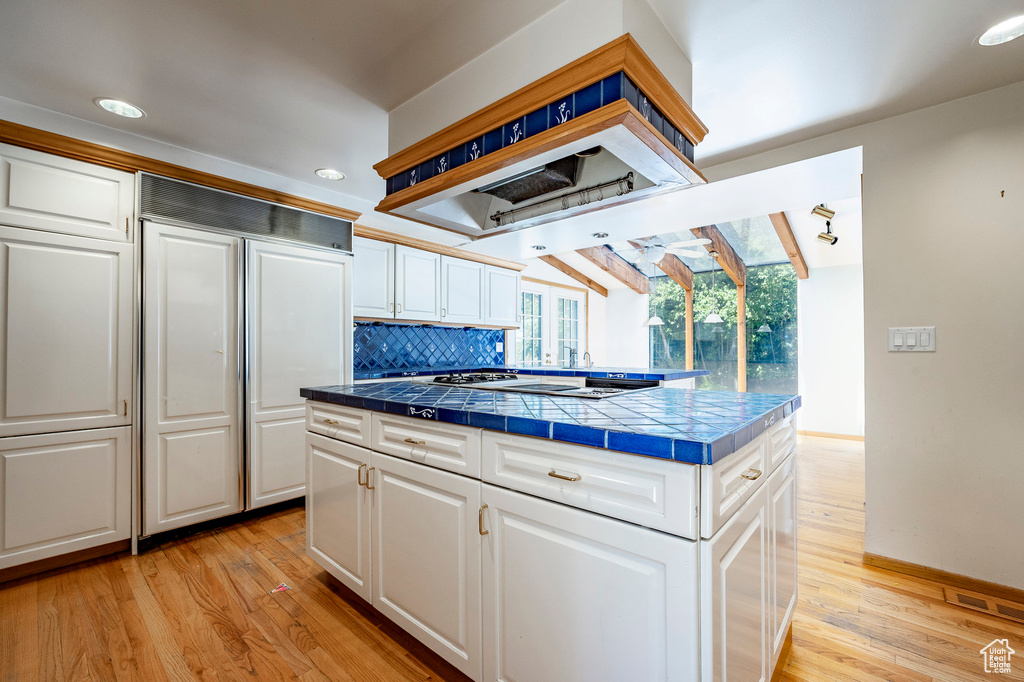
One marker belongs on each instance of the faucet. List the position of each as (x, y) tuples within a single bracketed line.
[(587, 360), (572, 355)]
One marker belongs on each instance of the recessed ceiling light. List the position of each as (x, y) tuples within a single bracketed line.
[(330, 174), (119, 107), (1004, 31), (599, 235), (538, 247)]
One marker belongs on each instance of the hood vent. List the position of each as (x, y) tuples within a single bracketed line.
[(606, 129)]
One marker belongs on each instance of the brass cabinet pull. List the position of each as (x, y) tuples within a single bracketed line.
[(480, 520), (332, 422), (752, 474), (127, 223), (369, 472), (126, 408), (555, 474), (413, 441), (359, 476)]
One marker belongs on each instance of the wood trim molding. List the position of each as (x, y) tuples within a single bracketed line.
[(430, 322), (69, 147), (569, 270), (823, 434), (945, 577), (621, 54), (548, 283), (728, 259), (49, 564), (424, 245), (785, 232), (619, 112), (688, 294), (612, 263)]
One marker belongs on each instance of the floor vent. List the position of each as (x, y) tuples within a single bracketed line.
[(983, 602)]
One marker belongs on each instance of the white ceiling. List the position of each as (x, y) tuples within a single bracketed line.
[(289, 87)]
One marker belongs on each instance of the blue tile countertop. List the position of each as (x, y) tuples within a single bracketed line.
[(654, 373), (699, 427)]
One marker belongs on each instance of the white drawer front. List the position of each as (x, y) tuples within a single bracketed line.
[(781, 442), (438, 444), (655, 493), (727, 484), (341, 423)]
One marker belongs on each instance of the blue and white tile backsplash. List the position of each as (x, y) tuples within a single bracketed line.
[(380, 347)]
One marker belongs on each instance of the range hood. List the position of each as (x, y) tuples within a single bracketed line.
[(603, 130)]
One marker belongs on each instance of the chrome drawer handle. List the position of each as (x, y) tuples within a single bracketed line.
[(555, 474), (333, 422), (413, 441), (752, 474)]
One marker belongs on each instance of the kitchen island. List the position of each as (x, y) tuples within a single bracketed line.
[(522, 537)]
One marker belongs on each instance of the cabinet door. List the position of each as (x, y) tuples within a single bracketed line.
[(65, 332), (338, 511), (733, 596), (417, 284), (297, 332), (573, 596), (502, 297), (426, 557), (55, 194), (373, 279), (462, 291), (782, 553), (191, 446), (63, 492)]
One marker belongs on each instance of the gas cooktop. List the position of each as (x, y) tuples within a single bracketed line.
[(473, 378)]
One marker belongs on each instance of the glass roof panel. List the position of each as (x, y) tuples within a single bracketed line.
[(755, 241)]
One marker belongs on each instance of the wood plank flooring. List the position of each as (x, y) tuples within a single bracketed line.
[(199, 609)]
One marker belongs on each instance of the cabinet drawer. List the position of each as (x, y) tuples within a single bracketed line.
[(341, 423), (437, 444), (727, 484), (781, 442), (655, 493)]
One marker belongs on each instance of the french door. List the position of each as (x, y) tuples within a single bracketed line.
[(554, 320)]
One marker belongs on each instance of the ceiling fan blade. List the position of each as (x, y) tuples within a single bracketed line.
[(687, 253), (686, 243)]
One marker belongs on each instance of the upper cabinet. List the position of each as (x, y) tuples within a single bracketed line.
[(46, 192), (462, 291), (397, 282), (373, 278)]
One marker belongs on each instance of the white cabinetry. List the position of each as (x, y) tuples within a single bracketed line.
[(733, 599), (782, 554), (462, 291), (417, 284), (573, 596), (373, 278), (66, 341), (501, 289), (296, 327), (63, 492), (192, 445), (47, 192)]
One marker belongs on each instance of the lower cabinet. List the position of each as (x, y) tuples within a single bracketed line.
[(569, 595), (782, 555), (63, 492), (404, 537)]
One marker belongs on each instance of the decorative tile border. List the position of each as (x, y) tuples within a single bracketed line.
[(590, 98), (698, 427)]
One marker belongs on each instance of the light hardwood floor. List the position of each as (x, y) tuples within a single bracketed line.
[(199, 609)]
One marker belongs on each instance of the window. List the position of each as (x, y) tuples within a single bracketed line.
[(531, 340), (554, 319)]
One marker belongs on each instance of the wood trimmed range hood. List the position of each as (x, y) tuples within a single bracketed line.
[(604, 130)]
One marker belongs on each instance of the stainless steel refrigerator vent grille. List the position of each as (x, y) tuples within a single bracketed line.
[(182, 201)]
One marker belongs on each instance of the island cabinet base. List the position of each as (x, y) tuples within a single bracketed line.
[(607, 579)]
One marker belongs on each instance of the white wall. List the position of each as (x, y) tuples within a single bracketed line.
[(628, 342), (830, 316), (942, 246)]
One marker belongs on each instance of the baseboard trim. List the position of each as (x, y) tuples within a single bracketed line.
[(823, 434), (780, 665), (945, 578), (51, 563)]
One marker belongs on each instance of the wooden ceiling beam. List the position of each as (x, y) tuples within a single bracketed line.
[(609, 261), (785, 232), (727, 257), (569, 270), (673, 267)]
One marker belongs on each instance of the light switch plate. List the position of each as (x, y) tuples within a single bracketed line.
[(923, 338), (500, 348)]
